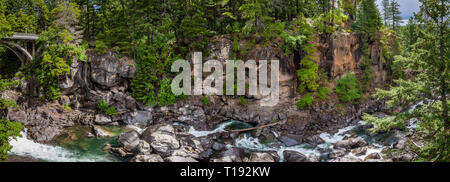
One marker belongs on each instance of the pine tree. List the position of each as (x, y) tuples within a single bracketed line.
[(368, 20), (386, 11), (256, 14), (395, 14), (429, 66)]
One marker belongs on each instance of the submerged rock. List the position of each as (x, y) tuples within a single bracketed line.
[(100, 132)]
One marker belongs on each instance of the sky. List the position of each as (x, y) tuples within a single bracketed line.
[(407, 7)]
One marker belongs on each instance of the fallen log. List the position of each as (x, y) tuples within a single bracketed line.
[(255, 128)]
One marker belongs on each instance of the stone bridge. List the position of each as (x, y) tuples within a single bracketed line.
[(22, 44)]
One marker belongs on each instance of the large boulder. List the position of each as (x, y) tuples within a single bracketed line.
[(129, 140), (230, 154), (293, 156), (162, 139), (351, 143), (291, 140), (260, 157)]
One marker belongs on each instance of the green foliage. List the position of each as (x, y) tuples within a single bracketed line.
[(149, 99), (102, 105), (427, 83), (111, 111), (290, 42), (49, 70), (8, 131), (101, 47), (205, 101), (195, 32), (323, 93), (327, 24), (368, 19), (383, 124), (6, 84), (21, 22), (165, 95), (306, 101), (256, 14), (348, 88), (308, 75)]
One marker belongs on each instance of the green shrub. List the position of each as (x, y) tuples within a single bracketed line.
[(8, 131), (205, 101), (349, 88), (323, 93), (7, 103), (165, 95), (6, 84), (306, 101), (102, 105), (101, 47), (111, 111), (149, 99)]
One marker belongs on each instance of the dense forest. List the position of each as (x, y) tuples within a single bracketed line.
[(155, 33)]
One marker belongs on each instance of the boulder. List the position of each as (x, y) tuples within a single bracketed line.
[(100, 132), (291, 140), (129, 140), (337, 153), (102, 119), (351, 143), (293, 156), (162, 139), (147, 158), (359, 151), (260, 157), (144, 148), (235, 154), (372, 156)]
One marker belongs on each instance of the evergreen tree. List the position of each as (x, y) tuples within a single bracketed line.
[(368, 20), (429, 67), (386, 11), (395, 14)]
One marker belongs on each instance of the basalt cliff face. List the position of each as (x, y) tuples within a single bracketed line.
[(108, 77)]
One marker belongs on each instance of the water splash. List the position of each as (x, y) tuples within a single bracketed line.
[(26, 147), (219, 129)]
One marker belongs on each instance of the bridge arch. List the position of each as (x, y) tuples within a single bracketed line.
[(21, 52)]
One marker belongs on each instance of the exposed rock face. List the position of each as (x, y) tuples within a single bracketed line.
[(46, 121), (345, 55)]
